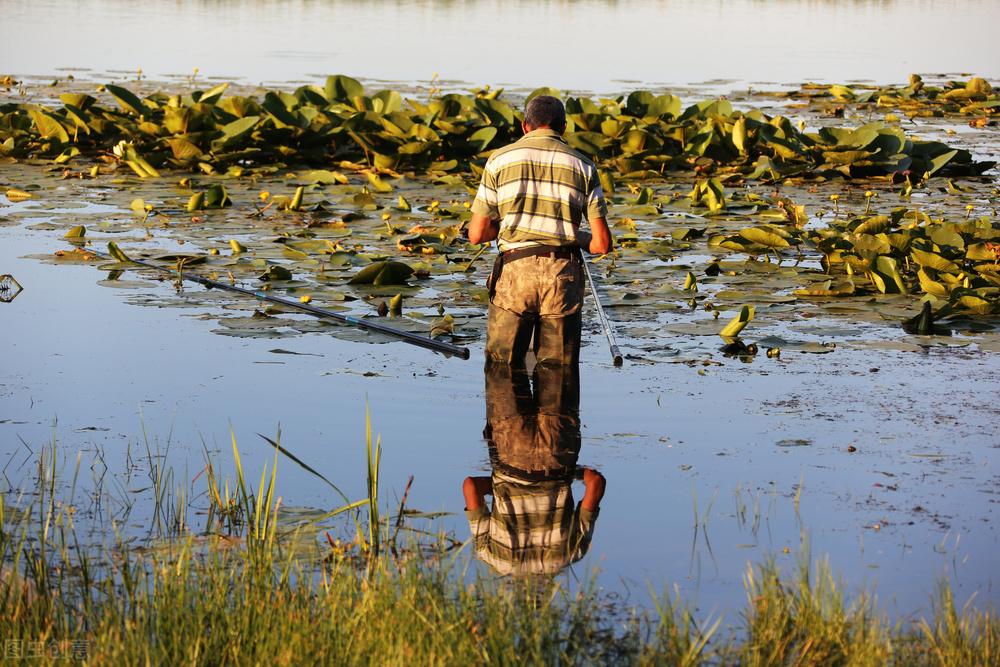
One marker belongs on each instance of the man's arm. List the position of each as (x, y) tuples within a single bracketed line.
[(600, 237), (483, 230), (595, 484)]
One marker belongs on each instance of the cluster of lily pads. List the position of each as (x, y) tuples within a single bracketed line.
[(955, 265), (975, 97), (632, 136)]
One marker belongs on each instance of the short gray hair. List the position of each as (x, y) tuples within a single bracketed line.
[(545, 111)]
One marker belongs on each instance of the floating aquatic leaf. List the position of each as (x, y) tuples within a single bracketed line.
[(296, 202), (377, 184), (275, 272), (931, 286), (886, 277), (217, 197), (975, 304), (982, 252), (382, 273), (15, 195), (442, 325), (135, 161), (933, 261), (49, 127), (764, 236), (116, 252), (708, 193), (234, 131), (686, 233), (737, 324), (827, 288), (874, 225), (342, 88), (76, 232), (127, 99), (739, 136)]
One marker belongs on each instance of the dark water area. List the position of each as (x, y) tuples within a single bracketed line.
[(600, 46)]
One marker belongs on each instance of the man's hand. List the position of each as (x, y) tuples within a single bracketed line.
[(475, 489), (482, 230)]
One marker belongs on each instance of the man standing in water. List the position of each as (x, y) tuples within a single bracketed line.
[(533, 196)]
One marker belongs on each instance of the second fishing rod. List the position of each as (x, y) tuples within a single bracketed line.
[(406, 336)]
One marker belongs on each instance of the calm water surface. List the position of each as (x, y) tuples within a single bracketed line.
[(734, 446), (591, 45)]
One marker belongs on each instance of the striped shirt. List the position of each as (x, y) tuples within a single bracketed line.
[(540, 190), (533, 528)]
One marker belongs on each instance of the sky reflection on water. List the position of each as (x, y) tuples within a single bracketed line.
[(83, 366)]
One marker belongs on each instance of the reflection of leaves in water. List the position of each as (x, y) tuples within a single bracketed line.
[(794, 442)]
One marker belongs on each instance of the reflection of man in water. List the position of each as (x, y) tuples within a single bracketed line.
[(534, 441)]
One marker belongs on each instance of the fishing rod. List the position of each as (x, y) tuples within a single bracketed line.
[(616, 355), (405, 336)]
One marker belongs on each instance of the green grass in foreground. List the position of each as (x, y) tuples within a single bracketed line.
[(219, 608), (252, 600)]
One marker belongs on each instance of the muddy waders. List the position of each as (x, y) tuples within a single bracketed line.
[(536, 297)]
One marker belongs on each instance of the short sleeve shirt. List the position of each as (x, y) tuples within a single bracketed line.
[(540, 190), (532, 528)]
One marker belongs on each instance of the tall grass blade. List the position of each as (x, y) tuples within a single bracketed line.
[(303, 464)]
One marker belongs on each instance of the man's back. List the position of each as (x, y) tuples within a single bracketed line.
[(541, 190)]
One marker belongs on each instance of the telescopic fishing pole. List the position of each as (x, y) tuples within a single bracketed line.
[(616, 355), (405, 336)]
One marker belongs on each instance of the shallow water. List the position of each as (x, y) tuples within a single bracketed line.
[(593, 45)]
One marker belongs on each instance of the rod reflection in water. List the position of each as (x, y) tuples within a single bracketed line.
[(532, 430)]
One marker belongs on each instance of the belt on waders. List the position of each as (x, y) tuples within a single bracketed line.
[(552, 252)]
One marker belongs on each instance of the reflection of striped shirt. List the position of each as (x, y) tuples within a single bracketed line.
[(533, 527), (540, 190)]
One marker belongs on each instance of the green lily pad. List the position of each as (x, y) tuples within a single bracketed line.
[(382, 273)]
